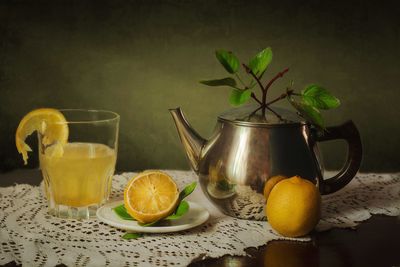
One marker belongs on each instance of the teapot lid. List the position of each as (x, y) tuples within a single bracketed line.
[(252, 115)]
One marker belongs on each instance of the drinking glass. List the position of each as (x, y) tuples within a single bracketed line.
[(78, 174)]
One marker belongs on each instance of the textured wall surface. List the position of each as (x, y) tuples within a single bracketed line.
[(140, 58)]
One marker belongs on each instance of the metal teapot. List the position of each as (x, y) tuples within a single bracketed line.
[(247, 148)]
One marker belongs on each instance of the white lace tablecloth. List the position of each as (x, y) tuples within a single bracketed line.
[(31, 237)]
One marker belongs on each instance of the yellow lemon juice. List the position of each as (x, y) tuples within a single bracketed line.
[(78, 174)]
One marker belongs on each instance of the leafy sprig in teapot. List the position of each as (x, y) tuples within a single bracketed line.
[(253, 143)]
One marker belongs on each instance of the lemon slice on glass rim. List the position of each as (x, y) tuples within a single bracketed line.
[(49, 123)]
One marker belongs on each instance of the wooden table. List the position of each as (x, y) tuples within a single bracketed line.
[(375, 242)]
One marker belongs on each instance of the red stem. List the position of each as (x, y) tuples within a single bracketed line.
[(263, 103), (279, 75), (276, 114), (282, 96)]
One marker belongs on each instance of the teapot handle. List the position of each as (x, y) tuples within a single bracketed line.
[(349, 132)]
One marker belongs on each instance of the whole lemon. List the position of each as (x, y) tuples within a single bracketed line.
[(271, 182), (293, 207)]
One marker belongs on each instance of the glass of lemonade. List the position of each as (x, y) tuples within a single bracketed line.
[(78, 174)]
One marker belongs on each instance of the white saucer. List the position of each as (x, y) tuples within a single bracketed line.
[(194, 217)]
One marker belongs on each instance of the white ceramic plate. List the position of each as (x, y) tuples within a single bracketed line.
[(194, 217)]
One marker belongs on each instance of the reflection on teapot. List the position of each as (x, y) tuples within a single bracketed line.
[(234, 164)]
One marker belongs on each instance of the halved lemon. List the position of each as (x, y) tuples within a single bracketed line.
[(151, 196), (51, 125)]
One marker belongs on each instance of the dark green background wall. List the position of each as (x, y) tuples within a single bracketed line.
[(140, 58)]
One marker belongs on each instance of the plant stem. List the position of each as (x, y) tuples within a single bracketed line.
[(263, 103), (276, 114), (264, 100), (265, 90), (256, 99), (279, 75), (248, 70), (255, 111), (282, 96)]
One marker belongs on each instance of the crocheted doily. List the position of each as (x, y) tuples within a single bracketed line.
[(31, 237)]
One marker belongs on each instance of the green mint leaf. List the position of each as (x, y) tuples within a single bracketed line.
[(172, 217), (122, 213), (182, 209), (129, 236), (187, 190), (148, 224), (239, 97), (221, 82), (319, 97), (259, 63), (309, 112), (228, 60)]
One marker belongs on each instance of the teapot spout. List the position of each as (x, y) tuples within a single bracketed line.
[(192, 142)]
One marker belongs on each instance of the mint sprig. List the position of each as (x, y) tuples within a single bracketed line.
[(308, 103)]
